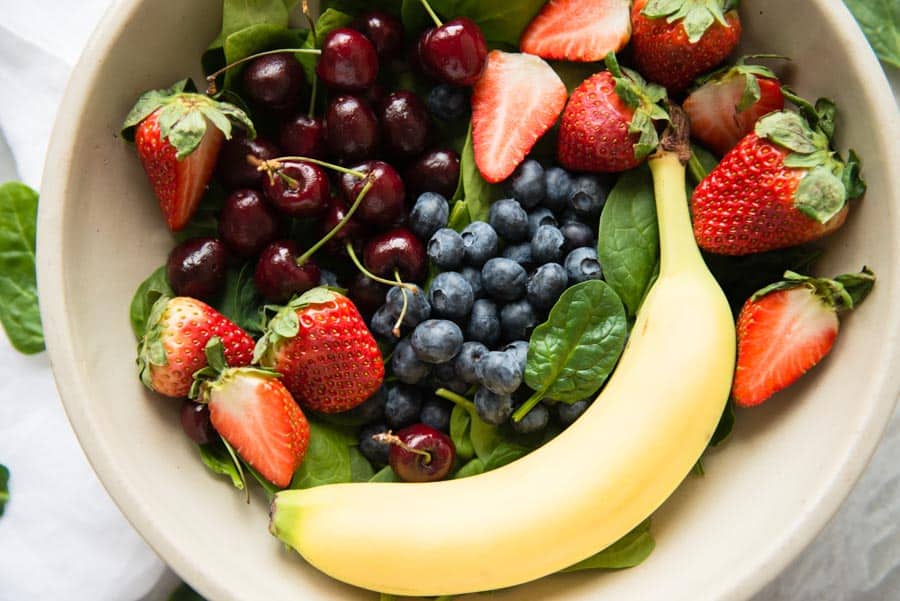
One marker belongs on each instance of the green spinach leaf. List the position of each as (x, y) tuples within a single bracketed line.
[(218, 460), (503, 453), (485, 437), (360, 468), (355, 7), (574, 74), (19, 312), (144, 298), (460, 432), (385, 474), (238, 15), (472, 468), (327, 459), (627, 552), (240, 302), (259, 38), (473, 191), (700, 164), (4, 487), (414, 17), (628, 243), (185, 593), (880, 21)]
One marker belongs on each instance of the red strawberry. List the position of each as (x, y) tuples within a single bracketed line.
[(516, 100), (786, 328), (321, 346), (171, 350), (779, 187), (578, 30), (254, 412), (177, 147), (608, 124), (727, 105), (674, 41)]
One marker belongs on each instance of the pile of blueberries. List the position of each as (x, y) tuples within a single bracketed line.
[(494, 282)]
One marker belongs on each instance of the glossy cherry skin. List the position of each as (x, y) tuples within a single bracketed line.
[(303, 136), (352, 230), (196, 423), (367, 294), (274, 81), (455, 52), (298, 189), (397, 249), (247, 224), (435, 171), (234, 170), (405, 124), (383, 204), (196, 268), (415, 467), (417, 56), (352, 129), (348, 61), (278, 277), (385, 32)]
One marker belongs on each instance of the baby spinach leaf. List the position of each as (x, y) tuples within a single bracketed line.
[(145, 297), (472, 468), (627, 552), (217, 459), (573, 352), (238, 15), (501, 21), (573, 74), (240, 302), (269, 488), (485, 437), (185, 593), (413, 16), (360, 468), (503, 453), (460, 428), (880, 21), (259, 38), (355, 7), (628, 243), (385, 474), (327, 459), (19, 312), (473, 191), (4, 487)]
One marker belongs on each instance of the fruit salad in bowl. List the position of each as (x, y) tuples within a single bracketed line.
[(461, 296)]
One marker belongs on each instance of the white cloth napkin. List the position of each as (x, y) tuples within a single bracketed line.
[(61, 536)]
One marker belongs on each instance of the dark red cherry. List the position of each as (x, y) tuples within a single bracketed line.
[(456, 51), (352, 130), (417, 57), (298, 189), (247, 224), (385, 32), (303, 136), (435, 171), (396, 249), (367, 294), (196, 268), (405, 124), (196, 423), (234, 170), (352, 230), (422, 455), (274, 81), (348, 61), (278, 277), (383, 204)]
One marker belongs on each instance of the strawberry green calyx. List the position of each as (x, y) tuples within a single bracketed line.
[(646, 99), (184, 116), (697, 15), (843, 293), (151, 350), (217, 373), (286, 325), (749, 72)]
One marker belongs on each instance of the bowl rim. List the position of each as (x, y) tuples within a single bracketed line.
[(747, 579)]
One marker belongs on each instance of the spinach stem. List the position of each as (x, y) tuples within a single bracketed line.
[(455, 398), (528, 405)]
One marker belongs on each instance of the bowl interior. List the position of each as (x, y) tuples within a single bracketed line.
[(765, 494)]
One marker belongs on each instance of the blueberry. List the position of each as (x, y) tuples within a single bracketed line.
[(436, 413), (447, 102), (328, 278), (521, 254), (588, 196), (406, 365), (547, 245), (577, 234), (464, 363), (539, 217), (444, 376), (518, 349), (536, 420), (493, 408), (559, 188), (451, 295), (504, 279), (570, 216), (370, 410), (418, 309), (545, 285), (509, 220), (382, 324), (473, 276), (480, 242), (445, 248), (582, 265), (376, 452), (499, 372), (527, 184), (436, 340), (517, 319), (568, 413), (429, 214), (484, 323), (403, 406)]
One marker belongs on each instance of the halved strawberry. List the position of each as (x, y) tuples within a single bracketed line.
[(178, 147), (517, 99), (578, 30), (728, 103), (786, 328)]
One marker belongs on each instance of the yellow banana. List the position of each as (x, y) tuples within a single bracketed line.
[(575, 495)]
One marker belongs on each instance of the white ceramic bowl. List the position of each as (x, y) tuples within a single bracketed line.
[(787, 468)]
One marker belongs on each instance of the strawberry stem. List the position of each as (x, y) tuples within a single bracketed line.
[(340, 225), (390, 438), (431, 13), (212, 88), (403, 309), (372, 276)]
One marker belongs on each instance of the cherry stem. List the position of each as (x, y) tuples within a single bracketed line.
[(315, 39), (390, 438), (273, 164), (403, 309), (372, 276), (431, 13), (211, 78), (340, 225)]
